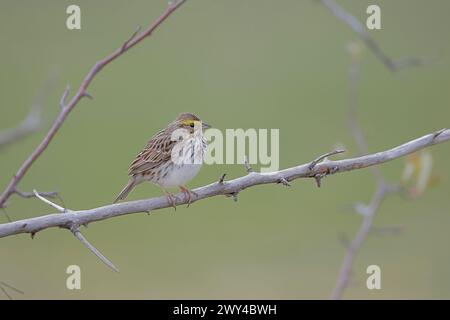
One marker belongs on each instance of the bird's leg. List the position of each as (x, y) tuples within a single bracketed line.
[(188, 193), (171, 198)]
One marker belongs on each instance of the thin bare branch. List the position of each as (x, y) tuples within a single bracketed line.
[(133, 35), (33, 121), (76, 232), (81, 93), (383, 188), (6, 214), (388, 230), (11, 287), (52, 204), (27, 195), (356, 244), (5, 292), (350, 20), (63, 101), (231, 187), (4, 286), (356, 130)]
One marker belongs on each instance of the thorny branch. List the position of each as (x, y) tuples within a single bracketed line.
[(317, 169), (68, 106), (70, 219)]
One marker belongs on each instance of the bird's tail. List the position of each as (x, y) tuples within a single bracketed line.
[(124, 193)]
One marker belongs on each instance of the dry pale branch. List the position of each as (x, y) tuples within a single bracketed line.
[(69, 219), (33, 121), (105, 260), (68, 106), (75, 228), (23, 194), (28, 195), (355, 245), (29, 125), (350, 20), (383, 188)]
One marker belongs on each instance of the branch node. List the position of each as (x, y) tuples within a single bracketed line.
[(314, 163), (333, 170), (133, 35)]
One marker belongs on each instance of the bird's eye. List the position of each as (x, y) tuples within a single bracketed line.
[(192, 124)]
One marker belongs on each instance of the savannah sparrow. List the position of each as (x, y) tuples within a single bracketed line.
[(171, 158)]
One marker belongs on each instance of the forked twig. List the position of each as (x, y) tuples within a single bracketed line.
[(67, 107), (351, 21)]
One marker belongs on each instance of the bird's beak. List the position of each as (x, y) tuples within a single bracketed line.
[(205, 126)]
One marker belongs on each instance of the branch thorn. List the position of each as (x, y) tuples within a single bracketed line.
[(284, 182), (222, 178), (438, 133), (318, 177), (88, 95), (247, 166)]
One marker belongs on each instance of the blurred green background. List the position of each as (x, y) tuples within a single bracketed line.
[(237, 64)]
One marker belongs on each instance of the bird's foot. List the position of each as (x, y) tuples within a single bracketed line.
[(188, 194), (172, 200)]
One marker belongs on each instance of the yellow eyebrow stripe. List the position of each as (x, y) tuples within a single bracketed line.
[(189, 122)]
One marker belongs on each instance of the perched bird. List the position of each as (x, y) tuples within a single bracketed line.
[(171, 158)]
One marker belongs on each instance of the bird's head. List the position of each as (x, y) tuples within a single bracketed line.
[(190, 122)]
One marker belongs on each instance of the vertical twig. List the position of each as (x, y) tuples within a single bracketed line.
[(382, 188)]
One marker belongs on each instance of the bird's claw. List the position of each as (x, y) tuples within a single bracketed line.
[(172, 200), (188, 195)]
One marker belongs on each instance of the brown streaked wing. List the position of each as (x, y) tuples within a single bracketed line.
[(156, 152)]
